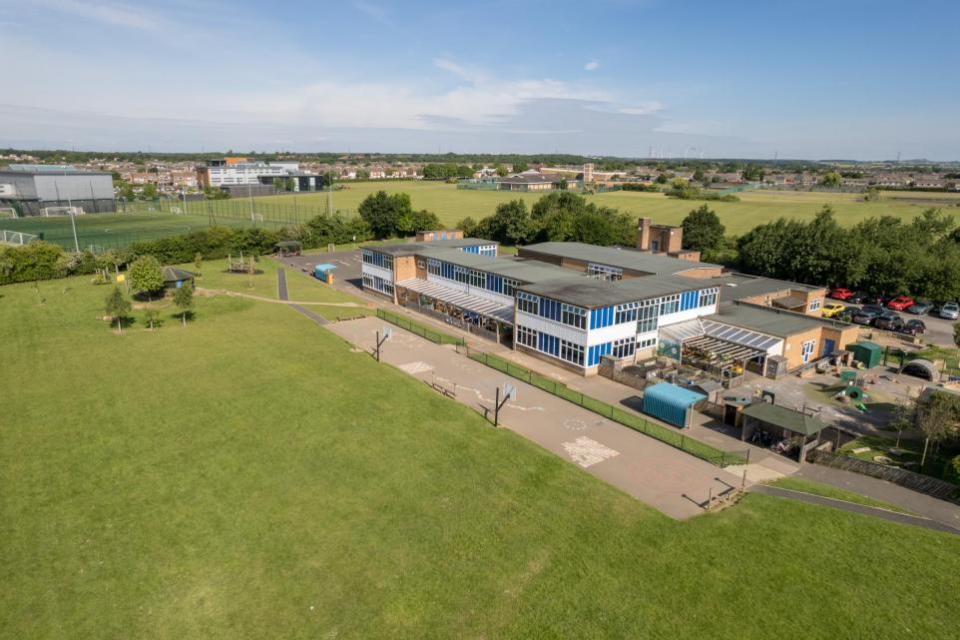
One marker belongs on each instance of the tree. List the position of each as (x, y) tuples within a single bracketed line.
[(702, 230), (510, 224), (469, 227), (938, 417), (698, 175), (198, 261), (183, 300), (956, 334), (117, 307), (152, 317), (384, 213), (146, 275), (831, 179), (501, 170), (149, 192), (520, 167)]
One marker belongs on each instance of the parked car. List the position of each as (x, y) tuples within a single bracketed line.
[(950, 311), (860, 297), (832, 309), (900, 303), (913, 327), (867, 314), (920, 307), (839, 293), (888, 321), (847, 314)]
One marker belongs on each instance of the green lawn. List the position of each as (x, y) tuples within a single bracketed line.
[(817, 489), (936, 461), (452, 205), (301, 287), (248, 476)]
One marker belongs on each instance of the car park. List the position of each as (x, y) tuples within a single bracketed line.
[(840, 293), (860, 297), (950, 311), (847, 314), (832, 309), (900, 303), (888, 321), (913, 327), (920, 307)]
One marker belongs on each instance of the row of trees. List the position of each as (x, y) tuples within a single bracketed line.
[(883, 255), (117, 306), (560, 216)]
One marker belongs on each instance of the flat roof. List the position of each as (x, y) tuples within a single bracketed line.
[(529, 271), (53, 172), (413, 248), (735, 286), (784, 418), (770, 320), (591, 292), (624, 258)]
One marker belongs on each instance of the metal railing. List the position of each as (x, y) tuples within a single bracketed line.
[(664, 434)]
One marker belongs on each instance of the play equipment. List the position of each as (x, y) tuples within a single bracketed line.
[(242, 264)]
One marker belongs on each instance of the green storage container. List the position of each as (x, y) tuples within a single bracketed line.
[(868, 353)]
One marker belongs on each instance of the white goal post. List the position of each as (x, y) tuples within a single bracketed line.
[(7, 212), (61, 211)]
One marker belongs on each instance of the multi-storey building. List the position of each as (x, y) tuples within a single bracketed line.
[(575, 303)]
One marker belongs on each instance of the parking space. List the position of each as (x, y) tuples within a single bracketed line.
[(939, 331)]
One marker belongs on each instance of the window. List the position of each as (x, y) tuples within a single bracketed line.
[(573, 316), (624, 347), (477, 278), (571, 352), (669, 304), (421, 264), (647, 342), (647, 316), (510, 287), (433, 267), (626, 313), (378, 259), (528, 303), (378, 284), (604, 272), (806, 350), (708, 297), (815, 304), (527, 337)]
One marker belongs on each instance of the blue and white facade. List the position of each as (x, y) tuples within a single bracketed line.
[(377, 271), (579, 336)]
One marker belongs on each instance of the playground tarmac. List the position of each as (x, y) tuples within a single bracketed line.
[(665, 478)]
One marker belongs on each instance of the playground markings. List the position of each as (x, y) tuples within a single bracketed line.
[(413, 368), (586, 452)]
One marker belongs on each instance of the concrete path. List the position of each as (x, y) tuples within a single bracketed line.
[(853, 507), (941, 511), (665, 478), (282, 294)]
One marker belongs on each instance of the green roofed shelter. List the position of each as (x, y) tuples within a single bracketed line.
[(776, 416), (670, 403)]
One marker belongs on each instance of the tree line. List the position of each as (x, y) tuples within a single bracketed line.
[(883, 256)]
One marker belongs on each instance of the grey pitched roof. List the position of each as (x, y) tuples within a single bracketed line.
[(623, 258)]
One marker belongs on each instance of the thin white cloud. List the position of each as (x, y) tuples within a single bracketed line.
[(111, 13), (371, 10), (593, 65)]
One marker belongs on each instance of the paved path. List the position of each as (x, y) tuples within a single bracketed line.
[(667, 479), (942, 511), (282, 294), (853, 507)]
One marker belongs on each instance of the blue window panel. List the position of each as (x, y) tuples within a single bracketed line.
[(593, 319)]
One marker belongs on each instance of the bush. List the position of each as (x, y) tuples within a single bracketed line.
[(951, 472), (42, 261)]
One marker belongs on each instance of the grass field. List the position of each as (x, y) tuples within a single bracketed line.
[(817, 489), (249, 476), (452, 205)]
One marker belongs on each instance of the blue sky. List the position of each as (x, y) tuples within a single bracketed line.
[(843, 79)]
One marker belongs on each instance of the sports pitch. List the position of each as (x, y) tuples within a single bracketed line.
[(452, 205)]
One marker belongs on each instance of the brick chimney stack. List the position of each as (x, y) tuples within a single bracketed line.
[(643, 234)]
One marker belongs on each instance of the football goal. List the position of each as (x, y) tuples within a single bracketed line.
[(61, 211)]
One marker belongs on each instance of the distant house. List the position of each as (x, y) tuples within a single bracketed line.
[(529, 181)]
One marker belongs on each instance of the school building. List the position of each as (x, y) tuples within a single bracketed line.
[(574, 303)]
